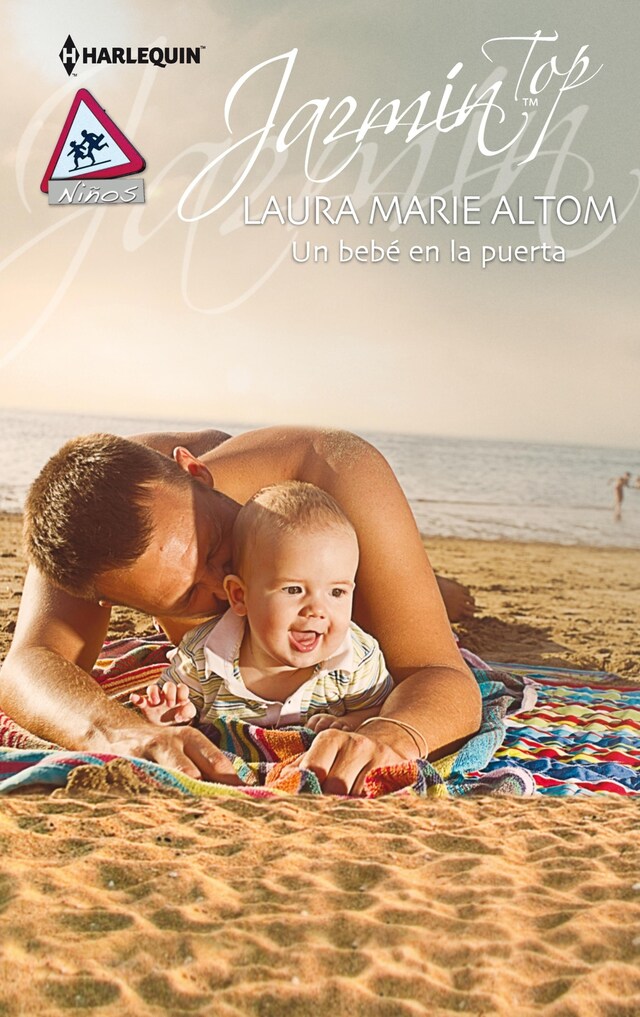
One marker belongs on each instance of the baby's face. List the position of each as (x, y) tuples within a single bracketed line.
[(299, 596)]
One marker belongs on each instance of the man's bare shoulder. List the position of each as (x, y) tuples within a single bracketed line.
[(286, 446), (271, 454), (244, 464), (197, 442)]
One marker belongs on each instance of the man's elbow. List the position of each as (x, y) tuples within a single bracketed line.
[(470, 699), (465, 718), (8, 682), (475, 704), (463, 693)]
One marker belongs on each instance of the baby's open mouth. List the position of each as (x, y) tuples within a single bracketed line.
[(304, 642)]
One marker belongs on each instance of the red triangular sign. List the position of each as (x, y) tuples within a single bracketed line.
[(91, 146)]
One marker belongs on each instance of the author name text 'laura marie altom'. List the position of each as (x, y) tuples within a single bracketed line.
[(467, 210)]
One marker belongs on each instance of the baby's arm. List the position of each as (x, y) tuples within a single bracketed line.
[(166, 704), (348, 722)]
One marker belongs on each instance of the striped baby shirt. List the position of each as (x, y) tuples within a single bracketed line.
[(207, 661)]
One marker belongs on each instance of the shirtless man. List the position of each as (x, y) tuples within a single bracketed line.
[(45, 683), (618, 494)]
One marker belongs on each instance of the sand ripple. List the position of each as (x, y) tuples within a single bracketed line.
[(153, 905)]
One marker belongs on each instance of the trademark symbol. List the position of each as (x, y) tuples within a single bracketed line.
[(529, 101)]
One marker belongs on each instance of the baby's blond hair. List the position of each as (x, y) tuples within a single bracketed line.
[(285, 508)]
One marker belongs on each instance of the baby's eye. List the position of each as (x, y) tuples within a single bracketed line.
[(338, 591), (293, 590)]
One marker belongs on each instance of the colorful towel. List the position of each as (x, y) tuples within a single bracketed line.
[(265, 760), (580, 736)]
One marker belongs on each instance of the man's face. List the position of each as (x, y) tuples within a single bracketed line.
[(181, 573)]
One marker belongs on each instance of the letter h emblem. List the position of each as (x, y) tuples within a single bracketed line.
[(69, 55)]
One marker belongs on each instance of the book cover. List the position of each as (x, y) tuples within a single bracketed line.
[(413, 220)]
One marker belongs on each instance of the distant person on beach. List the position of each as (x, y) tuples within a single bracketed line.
[(148, 523), (618, 494), (286, 651)]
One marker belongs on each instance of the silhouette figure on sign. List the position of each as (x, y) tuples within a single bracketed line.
[(78, 152), (92, 142), (84, 149)]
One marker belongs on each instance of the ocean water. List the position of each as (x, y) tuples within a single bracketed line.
[(456, 487)]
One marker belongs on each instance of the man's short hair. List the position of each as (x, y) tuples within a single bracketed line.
[(88, 511), (290, 507)]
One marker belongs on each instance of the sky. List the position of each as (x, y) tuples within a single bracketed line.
[(132, 311)]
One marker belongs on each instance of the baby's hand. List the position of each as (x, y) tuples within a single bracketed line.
[(324, 721), (167, 705)]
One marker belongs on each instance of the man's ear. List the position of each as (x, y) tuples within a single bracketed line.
[(188, 462), (235, 591)]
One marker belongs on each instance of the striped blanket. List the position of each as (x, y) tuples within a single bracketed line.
[(582, 736), (543, 731)]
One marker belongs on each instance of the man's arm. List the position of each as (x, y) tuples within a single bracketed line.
[(56, 642), (438, 702), (45, 686)]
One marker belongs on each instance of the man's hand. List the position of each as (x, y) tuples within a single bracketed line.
[(342, 759), (180, 748)]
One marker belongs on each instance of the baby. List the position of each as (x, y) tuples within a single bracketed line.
[(286, 651)]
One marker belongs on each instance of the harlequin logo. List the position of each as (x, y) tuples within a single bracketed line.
[(69, 55), (159, 56), (90, 150)]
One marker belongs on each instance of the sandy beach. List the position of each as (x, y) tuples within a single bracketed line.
[(151, 905)]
